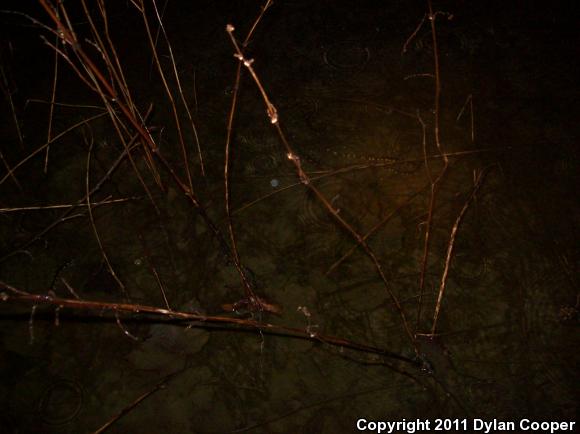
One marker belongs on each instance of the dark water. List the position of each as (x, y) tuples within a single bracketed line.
[(350, 103)]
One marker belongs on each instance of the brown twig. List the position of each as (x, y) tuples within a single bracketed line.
[(66, 206), (5, 85), (168, 92), (105, 88), (7, 167), (305, 179), (196, 203), (94, 226), (9, 293), (52, 105), (160, 385), (375, 228), (95, 80), (153, 270), (410, 38), (254, 301), (478, 181), (321, 174), (468, 102), (435, 183), (180, 90)]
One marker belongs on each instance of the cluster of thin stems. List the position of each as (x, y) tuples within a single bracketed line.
[(105, 76)]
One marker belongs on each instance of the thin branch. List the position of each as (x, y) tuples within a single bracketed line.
[(182, 96), (9, 293), (451, 246), (94, 227), (410, 38), (52, 105), (305, 179), (66, 206), (169, 97), (254, 301), (435, 183)]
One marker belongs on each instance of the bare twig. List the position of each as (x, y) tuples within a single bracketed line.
[(153, 270), (94, 227), (410, 38), (305, 179), (104, 88), (6, 86), (180, 90), (451, 245), (168, 93), (435, 182), (52, 105), (9, 293), (375, 228), (7, 167), (66, 206), (159, 386), (253, 300), (468, 102)]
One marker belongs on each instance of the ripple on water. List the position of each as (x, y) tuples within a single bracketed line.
[(259, 158), (60, 402)]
